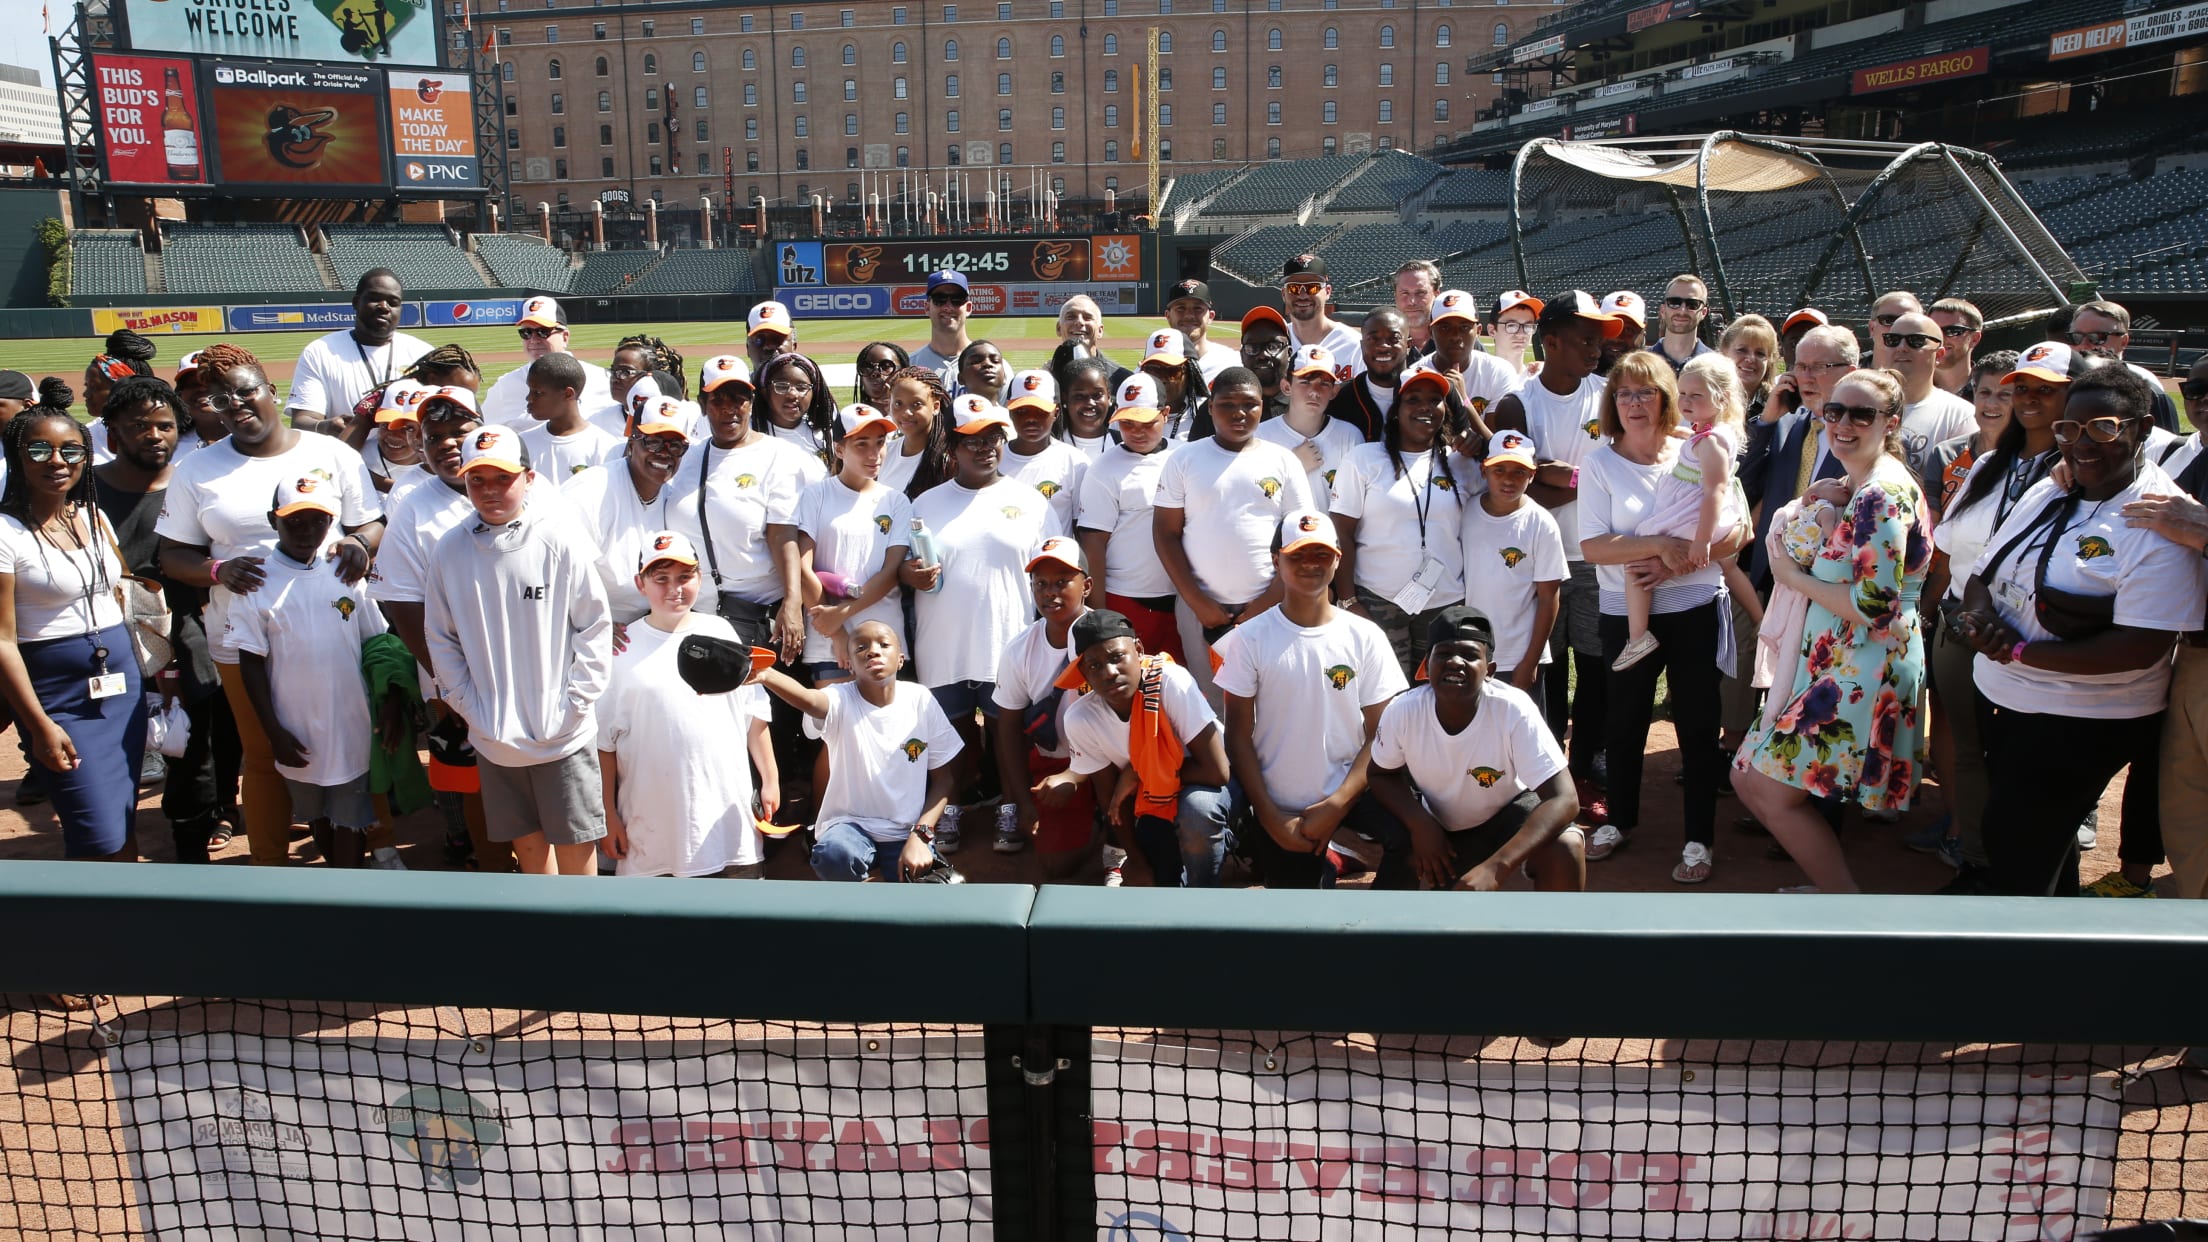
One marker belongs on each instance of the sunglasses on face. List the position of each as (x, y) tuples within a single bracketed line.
[(1914, 340), (2093, 338), (1953, 330), (41, 452), (1860, 415), (658, 446), (2194, 390), (879, 366), (536, 334), (1304, 288), (624, 372), (1683, 303), (2103, 430), (947, 299)]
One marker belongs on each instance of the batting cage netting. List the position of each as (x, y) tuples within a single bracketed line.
[(1774, 224)]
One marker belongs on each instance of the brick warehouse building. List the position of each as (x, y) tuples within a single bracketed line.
[(800, 95)]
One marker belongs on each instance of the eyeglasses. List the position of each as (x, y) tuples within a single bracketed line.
[(41, 452), (1304, 288), (1887, 321), (1638, 396), (1799, 365), (1914, 340), (624, 372), (2094, 338), (1953, 330), (1683, 303), (223, 398), (661, 446), (1271, 345), (1515, 327), (791, 388), (452, 431), (537, 334), (879, 366), (2102, 430), (2193, 390), (947, 299), (1860, 415)]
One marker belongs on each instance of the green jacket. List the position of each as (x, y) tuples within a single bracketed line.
[(394, 768)]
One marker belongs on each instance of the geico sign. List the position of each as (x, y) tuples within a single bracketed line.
[(831, 301)]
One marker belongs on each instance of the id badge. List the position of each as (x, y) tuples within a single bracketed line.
[(2014, 599), (108, 685), (1419, 591)]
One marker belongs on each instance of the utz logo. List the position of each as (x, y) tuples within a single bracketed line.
[(1512, 557), (1048, 488), (1486, 776), (2093, 547), (881, 522), (746, 481), (446, 1131), (1270, 486), (1340, 675), (913, 748), (345, 606)]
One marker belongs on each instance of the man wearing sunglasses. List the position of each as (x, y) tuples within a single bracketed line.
[(542, 330), (1686, 302), (948, 303), (1883, 314), (335, 372), (2103, 329), (1914, 350), (1304, 292), (1963, 326)]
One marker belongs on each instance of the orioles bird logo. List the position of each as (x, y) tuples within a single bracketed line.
[(1032, 383), (860, 262), (2091, 547), (1048, 488), (2037, 353), (881, 523), (295, 138), (728, 364), (345, 606), (1050, 258), (1485, 776), (485, 440), (1270, 486), (1011, 513), (913, 748), (306, 485), (746, 480), (1340, 675), (663, 543), (1511, 557)]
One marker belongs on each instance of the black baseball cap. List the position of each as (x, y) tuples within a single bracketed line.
[(1189, 289), (712, 665), (1097, 625), (1303, 265), (1458, 624)]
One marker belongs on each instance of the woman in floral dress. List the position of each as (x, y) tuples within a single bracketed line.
[(1853, 724)]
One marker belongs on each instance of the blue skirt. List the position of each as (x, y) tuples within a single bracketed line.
[(98, 801)]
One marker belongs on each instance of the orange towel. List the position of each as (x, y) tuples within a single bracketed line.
[(1152, 749)]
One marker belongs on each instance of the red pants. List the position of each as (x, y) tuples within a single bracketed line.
[(1158, 630), (1068, 827)]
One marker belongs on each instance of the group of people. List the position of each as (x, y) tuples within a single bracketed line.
[(1395, 597)]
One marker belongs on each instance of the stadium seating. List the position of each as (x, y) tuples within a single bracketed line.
[(423, 255), (522, 261), (1472, 189), (1282, 188), (1388, 180), (228, 258), (1257, 255), (697, 271), (106, 261), (1372, 252), (1186, 191), (609, 271)]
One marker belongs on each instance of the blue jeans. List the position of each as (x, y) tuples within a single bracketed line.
[(843, 851), (1190, 850)]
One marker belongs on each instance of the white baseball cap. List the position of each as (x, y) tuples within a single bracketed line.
[(1454, 304), (1033, 389), (769, 317)]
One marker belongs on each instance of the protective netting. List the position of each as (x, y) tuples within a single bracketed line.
[(185, 1119), (1248, 1135), (1773, 225)]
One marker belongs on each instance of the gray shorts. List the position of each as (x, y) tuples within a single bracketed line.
[(1580, 602), (345, 806), (563, 799)]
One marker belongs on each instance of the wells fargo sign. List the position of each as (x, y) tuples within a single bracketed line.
[(1969, 62)]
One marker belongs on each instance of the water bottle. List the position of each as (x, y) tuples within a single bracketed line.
[(923, 550)]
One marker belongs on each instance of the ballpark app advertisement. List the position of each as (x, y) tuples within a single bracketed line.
[(297, 127)]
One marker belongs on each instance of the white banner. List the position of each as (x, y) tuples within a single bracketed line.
[(809, 1138), (1193, 1146)]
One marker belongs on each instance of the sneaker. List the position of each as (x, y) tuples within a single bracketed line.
[(1951, 853), (2089, 833), (1636, 651), (154, 770), (2115, 884), (946, 831), (1114, 859), (386, 858), (1593, 808), (1010, 840)]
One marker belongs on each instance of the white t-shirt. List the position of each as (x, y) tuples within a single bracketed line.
[(1615, 496), (507, 401), (1233, 503), (2158, 585), (1116, 495), (1097, 737), (1093, 449), (1347, 347), (557, 457), (747, 490), (1487, 380), (897, 469), (1564, 429), (802, 438), (879, 757), (1503, 558), (52, 583), (334, 372), (2171, 451), (619, 522), (1465, 778), (309, 625), (1214, 358), (982, 601), (851, 533), (219, 500), (1962, 533), (685, 779), (1938, 418), (1056, 472), (1309, 688), (1334, 442), (1402, 521)]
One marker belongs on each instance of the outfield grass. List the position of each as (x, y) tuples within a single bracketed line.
[(1026, 342)]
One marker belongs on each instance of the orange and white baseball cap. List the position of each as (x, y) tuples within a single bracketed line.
[(304, 493), (1626, 304), (667, 545), (494, 448), (451, 394), (1510, 446), (1512, 299), (2052, 361), (769, 317), (543, 313), (1312, 360), (861, 419), (1138, 400), (186, 365), (1809, 314), (1061, 550), (1261, 314), (1422, 372), (718, 370), (1304, 528), (972, 413), (402, 400), (665, 414), (1454, 304), (1581, 304), (1166, 345), (1033, 390)]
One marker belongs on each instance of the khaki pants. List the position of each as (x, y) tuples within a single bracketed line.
[(2184, 772), (262, 795)]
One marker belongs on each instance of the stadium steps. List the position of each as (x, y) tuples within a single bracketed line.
[(524, 261), (157, 280), (1198, 189), (482, 269), (327, 270)]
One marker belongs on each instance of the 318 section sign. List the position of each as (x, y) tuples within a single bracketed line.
[(879, 263)]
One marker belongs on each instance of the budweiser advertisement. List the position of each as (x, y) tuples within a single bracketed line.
[(149, 120)]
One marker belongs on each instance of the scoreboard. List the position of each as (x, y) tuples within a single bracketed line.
[(1005, 276)]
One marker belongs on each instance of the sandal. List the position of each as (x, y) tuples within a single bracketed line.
[(1695, 863), (1636, 651), (1608, 840)]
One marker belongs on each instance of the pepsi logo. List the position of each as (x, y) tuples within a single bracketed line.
[(461, 310)]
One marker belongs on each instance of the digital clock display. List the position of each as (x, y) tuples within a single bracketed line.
[(873, 263)]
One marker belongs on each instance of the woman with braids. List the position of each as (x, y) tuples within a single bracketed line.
[(877, 362), (920, 456), (393, 449), (447, 366), (639, 357), (1398, 508), (798, 410), (123, 354), (67, 669), (1085, 405), (215, 534)]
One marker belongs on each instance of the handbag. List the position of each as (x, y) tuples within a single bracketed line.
[(2068, 615), (753, 623), (145, 612), (169, 730)]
